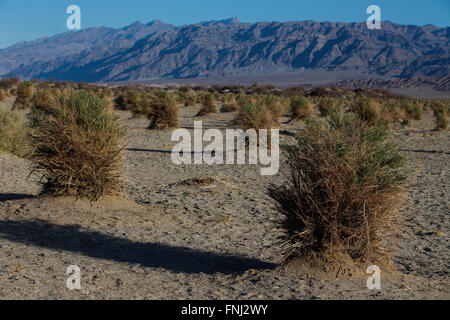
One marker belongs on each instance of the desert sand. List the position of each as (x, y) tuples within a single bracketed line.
[(170, 238)]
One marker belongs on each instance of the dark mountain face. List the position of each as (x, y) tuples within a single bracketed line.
[(99, 41), (230, 48)]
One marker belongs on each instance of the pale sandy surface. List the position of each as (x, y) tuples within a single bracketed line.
[(169, 240)]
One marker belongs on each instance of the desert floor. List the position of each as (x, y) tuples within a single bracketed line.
[(175, 240)]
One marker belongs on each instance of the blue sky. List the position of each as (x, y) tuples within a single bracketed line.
[(22, 20)]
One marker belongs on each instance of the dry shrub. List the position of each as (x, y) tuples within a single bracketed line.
[(440, 112), (343, 190), (326, 106), (391, 112), (25, 91), (413, 109), (301, 108), (163, 111), (187, 97), (273, 103), (254, 115), (2, 95), (78, 147), (230, 105), (14, 132), (208, 103), (366, 109), (45, 98), (127, 100), (9, 83)]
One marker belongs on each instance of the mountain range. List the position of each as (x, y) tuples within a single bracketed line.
[(230, 48)]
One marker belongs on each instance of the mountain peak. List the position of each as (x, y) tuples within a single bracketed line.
[(155, 22), (135, 24), (227, 22), (218, 49)]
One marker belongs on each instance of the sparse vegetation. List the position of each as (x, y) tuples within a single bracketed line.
[(441, 113), (231, 104), (343, 190), (301, 108), (25, 91), (326, 106), (14, 132), (9, 83), (208, 103), (366, 109), (253, 115), (163, 111), (78, 147), (127, 100)]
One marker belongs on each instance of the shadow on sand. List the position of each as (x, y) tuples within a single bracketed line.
[(94, 244), (14, 196)]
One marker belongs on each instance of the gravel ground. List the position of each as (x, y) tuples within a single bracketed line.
[(174, 240)]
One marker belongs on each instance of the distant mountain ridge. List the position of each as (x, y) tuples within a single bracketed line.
[(230, 48)]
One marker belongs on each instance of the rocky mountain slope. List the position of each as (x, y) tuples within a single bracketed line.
[(231, 48)]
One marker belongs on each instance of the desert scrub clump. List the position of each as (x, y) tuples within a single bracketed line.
[(230, 104), (272, 103), (14, 130), (127, 100), (208, 102), (326, 106), (254, 115), (343, 190), (440, 112), (163, 111), (44, 98), (366, 109), (25, 91), (78, 147), (301, 108), (2, 95), (414, 109)]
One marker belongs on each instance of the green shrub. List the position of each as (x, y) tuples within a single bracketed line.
[(413, 109), (366, 109), (326, 106), (208, 103), (440, 112), (343, 189), (301, 108), (253, 115), (25, 91), (231, 104), (14, 130), (163, 111), (127, 100)]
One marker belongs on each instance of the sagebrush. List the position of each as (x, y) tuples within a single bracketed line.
[(343, 189), (78, 147)]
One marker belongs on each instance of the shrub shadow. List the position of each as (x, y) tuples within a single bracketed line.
[(74, 238), (14, 196)]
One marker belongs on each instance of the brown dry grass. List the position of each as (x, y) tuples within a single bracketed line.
[(255, 115), (208, 102), (78, 148), (14, 130), (342, 192), (163, 111), (25, 91), (301, 108)]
